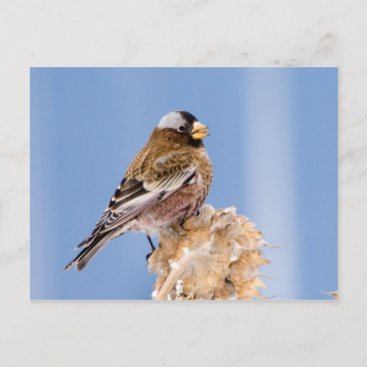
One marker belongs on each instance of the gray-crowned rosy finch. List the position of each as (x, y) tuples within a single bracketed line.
[(166, 183)]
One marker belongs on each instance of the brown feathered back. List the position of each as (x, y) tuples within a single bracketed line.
[(168, 152)]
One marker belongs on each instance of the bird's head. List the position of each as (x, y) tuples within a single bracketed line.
[(184, 123)]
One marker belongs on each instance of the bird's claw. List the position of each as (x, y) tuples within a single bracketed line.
[(182, 225), (148, 255), (152, 247)]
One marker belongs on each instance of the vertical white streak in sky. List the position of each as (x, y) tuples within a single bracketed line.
[(270, 193)]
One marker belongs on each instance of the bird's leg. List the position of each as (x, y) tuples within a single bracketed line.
[(151, 246), (151, 243), (182, 222)]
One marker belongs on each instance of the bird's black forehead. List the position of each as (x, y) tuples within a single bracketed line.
[(187, 116)]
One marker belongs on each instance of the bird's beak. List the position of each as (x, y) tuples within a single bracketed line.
[(199, 131)]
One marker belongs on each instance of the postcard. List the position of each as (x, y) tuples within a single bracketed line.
[(184, 183)]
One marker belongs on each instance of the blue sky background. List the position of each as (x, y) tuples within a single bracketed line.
[(273, 145)]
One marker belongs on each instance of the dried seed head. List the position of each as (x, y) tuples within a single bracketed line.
[(218, 258)]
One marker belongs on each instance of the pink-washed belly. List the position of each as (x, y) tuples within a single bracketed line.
[(180, 205)]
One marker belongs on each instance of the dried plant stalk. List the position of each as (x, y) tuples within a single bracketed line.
[(216, 256)]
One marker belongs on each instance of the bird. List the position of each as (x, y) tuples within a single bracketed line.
[(166, 183)]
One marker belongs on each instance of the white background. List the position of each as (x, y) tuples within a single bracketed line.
[(187, 33)]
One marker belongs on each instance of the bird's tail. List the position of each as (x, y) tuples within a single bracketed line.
[(84, 256)]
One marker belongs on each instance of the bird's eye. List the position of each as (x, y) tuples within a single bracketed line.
[(182, 128)]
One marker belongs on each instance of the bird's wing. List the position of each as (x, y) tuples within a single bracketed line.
[(153, 182), (144, 194)]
